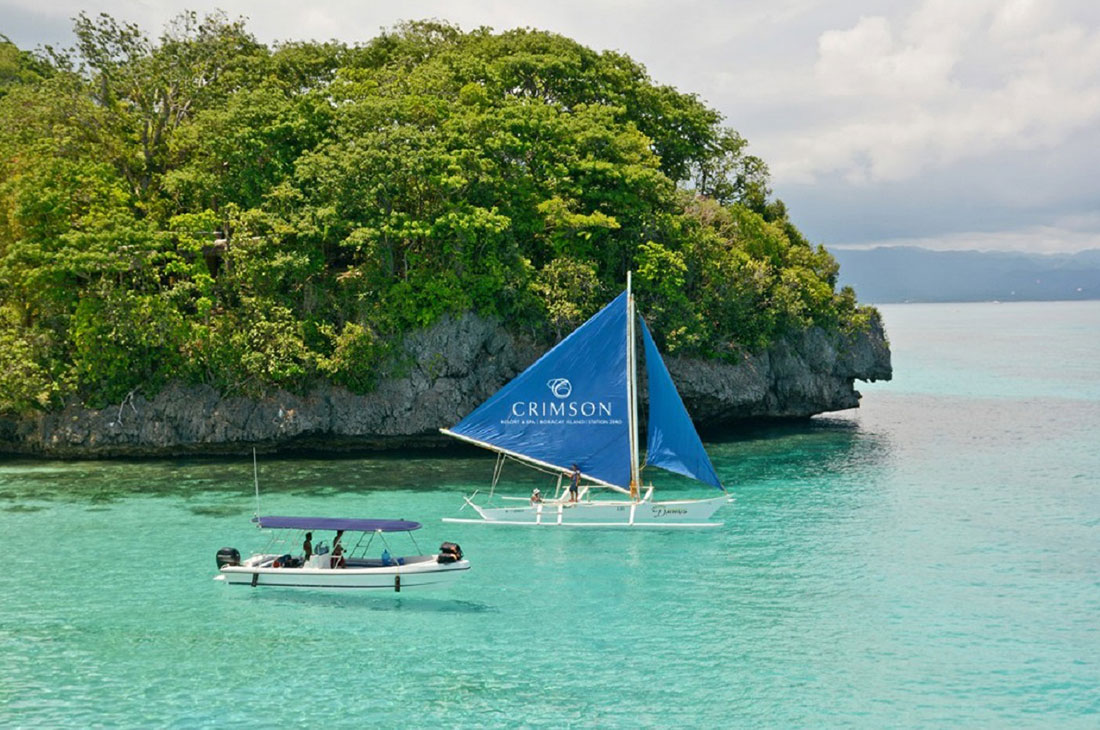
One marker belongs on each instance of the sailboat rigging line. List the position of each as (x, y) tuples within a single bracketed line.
[(528, 460), (502, 458), (497, 469), (539, 468)]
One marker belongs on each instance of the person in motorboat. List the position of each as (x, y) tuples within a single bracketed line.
[(536, 496), (307, 547), (338, 560)]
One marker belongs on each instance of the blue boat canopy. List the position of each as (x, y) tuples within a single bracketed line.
[(335, 523)]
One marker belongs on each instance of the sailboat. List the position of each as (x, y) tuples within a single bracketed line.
[(575, 409)]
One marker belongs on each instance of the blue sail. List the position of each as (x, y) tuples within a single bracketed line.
[(672, 442), (569, 407)]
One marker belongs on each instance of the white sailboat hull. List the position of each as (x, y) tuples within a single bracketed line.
[(418, 573), (692, 513)]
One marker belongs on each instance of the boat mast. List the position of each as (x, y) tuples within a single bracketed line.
[(632, 389)]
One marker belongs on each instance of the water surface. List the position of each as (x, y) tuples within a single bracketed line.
[(930, 559)]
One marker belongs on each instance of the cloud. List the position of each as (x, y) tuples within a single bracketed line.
[(868, 60), (922, 92), (916, 118), (1035, 239)]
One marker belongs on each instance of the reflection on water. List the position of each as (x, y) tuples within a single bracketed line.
[(220, 486), (797, 450), (207, 510), (349, 603), (308, 475), (23, 508)]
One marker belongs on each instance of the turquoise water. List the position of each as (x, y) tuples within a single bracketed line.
[(932, 559)]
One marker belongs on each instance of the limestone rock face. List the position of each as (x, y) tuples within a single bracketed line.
[(444, 373)]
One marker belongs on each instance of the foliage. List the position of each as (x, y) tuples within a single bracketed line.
[(19, 67), (570, 290), (205, 208)]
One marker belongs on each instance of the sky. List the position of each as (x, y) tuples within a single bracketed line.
[(949, 124)]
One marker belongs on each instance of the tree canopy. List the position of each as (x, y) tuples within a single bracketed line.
[(205, 208)]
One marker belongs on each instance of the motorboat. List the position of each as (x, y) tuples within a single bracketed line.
[(359, 557), (573, 413)]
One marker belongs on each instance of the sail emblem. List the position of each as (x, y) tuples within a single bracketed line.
[(560, 387)]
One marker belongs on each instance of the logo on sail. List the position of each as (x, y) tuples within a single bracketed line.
[(560, 387), (562, 411)]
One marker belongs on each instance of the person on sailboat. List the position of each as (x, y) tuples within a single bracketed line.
[(574, 483), (536, 496)]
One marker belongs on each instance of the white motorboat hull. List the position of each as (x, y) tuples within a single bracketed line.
[(691, 513), (418, 573)]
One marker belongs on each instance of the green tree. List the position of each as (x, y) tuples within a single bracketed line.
[(571, 292), (19, 67), (201, 207)]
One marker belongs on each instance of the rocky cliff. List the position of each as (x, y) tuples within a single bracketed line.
[(446, 371)]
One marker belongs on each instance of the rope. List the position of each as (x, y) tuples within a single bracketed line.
[(497, 469), (558, 493)]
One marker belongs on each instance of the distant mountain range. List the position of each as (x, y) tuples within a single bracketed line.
[(912, 274)]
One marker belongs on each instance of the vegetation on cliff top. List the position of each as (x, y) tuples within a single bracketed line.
[(206, 208)]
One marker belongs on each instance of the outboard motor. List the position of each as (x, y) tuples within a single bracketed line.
[(228, 556), (449, 552)]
